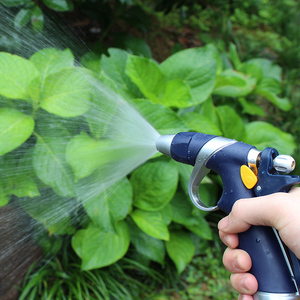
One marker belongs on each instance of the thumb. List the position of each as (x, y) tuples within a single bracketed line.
[(265, 211)]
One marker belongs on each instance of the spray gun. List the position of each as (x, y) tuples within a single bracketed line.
[(245, 172)]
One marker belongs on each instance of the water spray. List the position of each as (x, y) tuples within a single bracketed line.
[(246, 173)]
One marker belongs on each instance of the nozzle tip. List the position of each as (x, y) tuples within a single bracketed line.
[(163, 144)]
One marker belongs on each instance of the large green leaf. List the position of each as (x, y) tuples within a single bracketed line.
[(145, 73), (231, 123), (67, 93), (180, 248), (182, 214), (85, 154), (177, 94), (231, 83), (146, 245), (154, 185), (98, 248), (25, 182), (15, 129), (51, 210), (114, 67), (107, 207), (262, 135), (52, 60), (269, 69), (269, 88), (163, 119), (50, 164), (196, 67), (152, 223), (201, 123), (16, 75)]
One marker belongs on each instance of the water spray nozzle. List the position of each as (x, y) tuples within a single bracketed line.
[(163, 144)]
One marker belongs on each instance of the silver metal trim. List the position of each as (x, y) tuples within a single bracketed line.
[(284, 163), (200, 170), (163, 144), (286, 259), (252, 159), (274, 296)]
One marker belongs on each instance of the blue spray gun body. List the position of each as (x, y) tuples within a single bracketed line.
[(245, 173)]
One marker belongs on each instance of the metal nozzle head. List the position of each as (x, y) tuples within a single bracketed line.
[(284, 163), (163, 144)]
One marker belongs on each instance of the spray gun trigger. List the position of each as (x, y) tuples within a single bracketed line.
[(200, 170)]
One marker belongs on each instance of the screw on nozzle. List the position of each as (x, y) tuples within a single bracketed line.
[(284, 163), (163, 144)]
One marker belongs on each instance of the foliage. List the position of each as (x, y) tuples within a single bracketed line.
[(52, 101), (62, 278)]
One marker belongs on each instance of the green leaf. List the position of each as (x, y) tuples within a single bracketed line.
[(262, 135), (253, 69), (234, 56), (268, 88), (51, 60), (208, 110), (269, 69), (251, 108), (200, 123), (200, 227), (59, 5), (163, 119), (4, 198), (133, 45), (15, 129), (152, 223), (182, 214), (14, 2), (177, 94), (231, 123), (146, 245), (114, 67), (92, 61), (98, 248), (101, 101), (180, 248), (16, 75), (25, 181), (138, 69), (37, 19), (85, 154), (108, 207), (51, 210), (196, 67), (154, 185), (50, 164), (67, 93), (231, 83), (22, 17)]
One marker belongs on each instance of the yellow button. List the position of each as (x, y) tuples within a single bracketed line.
[(248, 177)]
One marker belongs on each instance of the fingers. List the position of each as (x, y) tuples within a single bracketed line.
[(236, 261), (230, 240), (244, 283)]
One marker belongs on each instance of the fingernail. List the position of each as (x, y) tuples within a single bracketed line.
[(243, 283), (236, 265), (223, 224)]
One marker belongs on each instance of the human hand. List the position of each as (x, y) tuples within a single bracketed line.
[(279, 210)]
